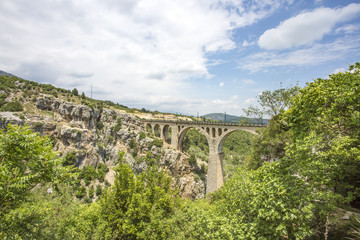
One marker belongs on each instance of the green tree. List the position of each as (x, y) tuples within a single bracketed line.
[(75, 92), (137, 207), (69, 159), (325, 126), (26, 160), (272, 103), (268, 203)]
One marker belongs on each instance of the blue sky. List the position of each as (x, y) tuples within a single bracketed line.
[(185, 56)]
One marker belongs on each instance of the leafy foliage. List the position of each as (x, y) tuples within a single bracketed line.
[(26, 159), (325, 132), (69, 159), (156, 142), (88, 173), (268, 203), (12, 107), (135, 206), (272, 103), (303, 166)]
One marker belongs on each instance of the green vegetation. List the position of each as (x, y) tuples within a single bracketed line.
[(117, 126), (156, 142), (237, 148), (302, 170), (12, 107), (69, 159), (26, 160), (88, 173)]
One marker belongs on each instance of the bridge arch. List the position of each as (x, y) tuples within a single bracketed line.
[(157, 130), (183, 132), (228, 133), (167, 133), (148, 128)]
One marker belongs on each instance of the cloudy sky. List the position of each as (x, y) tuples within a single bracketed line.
[(186, 56)]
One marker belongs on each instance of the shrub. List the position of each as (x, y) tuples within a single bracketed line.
[(103, 167), (91, 192), (156, 142), (107, 183), (142, 136), (117, 126), (132, 144), (101, 175), (69, 159), (100, 125), (81, 192), (88, 173), (98, 190), (39, 125), (87, 200), (75, 92), (192, 159), (12, 107)]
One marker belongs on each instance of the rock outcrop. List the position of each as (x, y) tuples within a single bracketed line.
[(98, 135)]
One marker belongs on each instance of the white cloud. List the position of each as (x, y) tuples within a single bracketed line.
[(125, 49), (317, 54), (221, 84), (248, 81), (250, 101), (306, 27), (348, 29), (338, 70), (247, 44)]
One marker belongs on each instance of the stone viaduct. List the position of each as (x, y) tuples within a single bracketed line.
[(215, 133)]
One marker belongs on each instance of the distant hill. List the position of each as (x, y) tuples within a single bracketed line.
[(231, 118), (5, 73)]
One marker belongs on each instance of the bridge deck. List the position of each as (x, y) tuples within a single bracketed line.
[(203, 123)]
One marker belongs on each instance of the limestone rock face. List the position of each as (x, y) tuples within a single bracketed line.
[(96, 137), (70, 111)]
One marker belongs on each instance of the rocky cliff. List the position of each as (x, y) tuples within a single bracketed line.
[(97, 135)]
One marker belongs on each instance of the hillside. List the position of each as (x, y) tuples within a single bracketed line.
[(222, 117), (94, 172), (91, 133)]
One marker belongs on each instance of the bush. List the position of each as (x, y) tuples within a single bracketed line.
[(192, 160), (12, 107), (75, 92), (101, 175), (91, 192), (142, 136), (88, 173), (81, 192), (157, 143), (100, 125), (132, 144), (69, 159), (98, 190), (117, 126), (38, 125), (103, 167)]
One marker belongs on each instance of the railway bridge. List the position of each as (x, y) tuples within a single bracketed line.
[(215, 133)]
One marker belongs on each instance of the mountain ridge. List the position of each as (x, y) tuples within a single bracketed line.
[(223, 117)]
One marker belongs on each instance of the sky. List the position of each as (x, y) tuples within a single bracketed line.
[(180, 56)]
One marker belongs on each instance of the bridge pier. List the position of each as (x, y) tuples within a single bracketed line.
[(215, 174)]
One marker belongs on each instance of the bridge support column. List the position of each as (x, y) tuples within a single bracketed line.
[(215, 177), (174, 137)]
